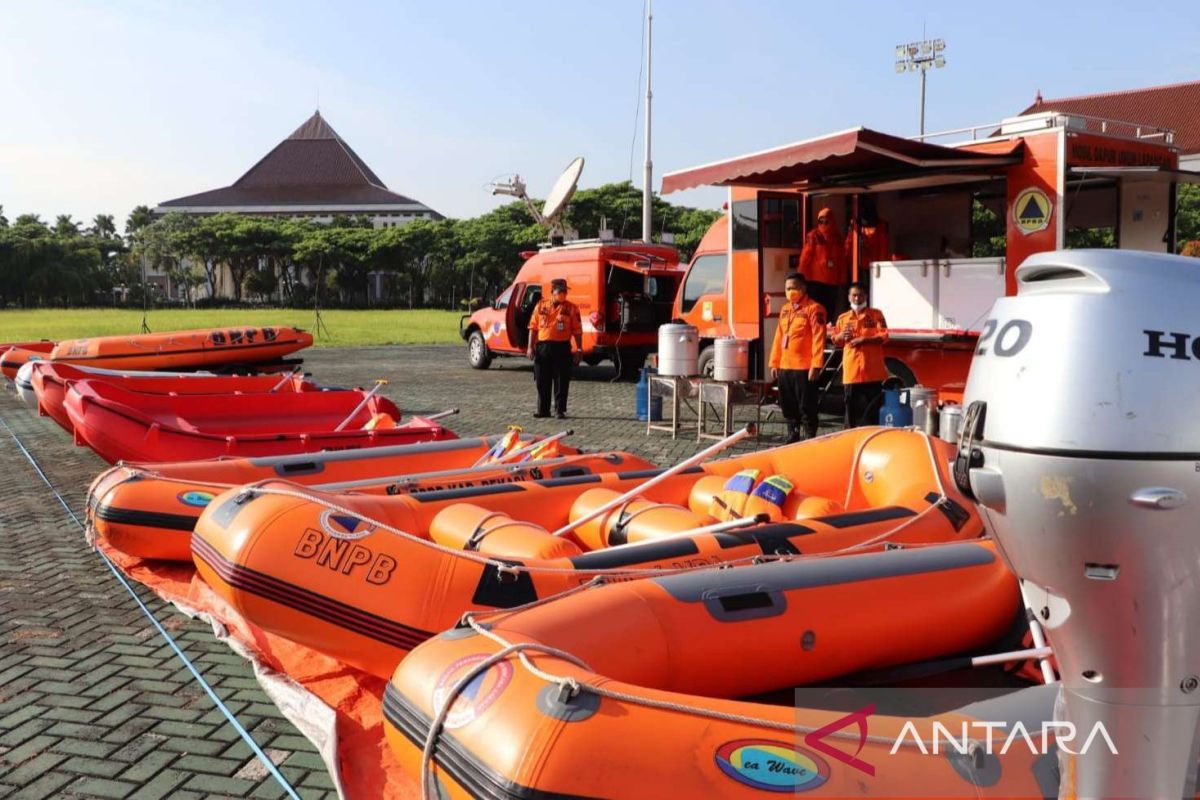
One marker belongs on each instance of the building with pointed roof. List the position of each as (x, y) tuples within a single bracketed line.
[(313, 173), (1175, 107)]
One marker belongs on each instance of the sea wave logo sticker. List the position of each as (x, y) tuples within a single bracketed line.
[(195, 499), (478, 695), (772, 766), (345, 526)]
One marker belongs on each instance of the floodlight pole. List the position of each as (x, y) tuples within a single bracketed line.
[(921, 57), (923, 73), (648, 175)]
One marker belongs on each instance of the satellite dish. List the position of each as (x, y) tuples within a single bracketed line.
[(556, 201), (563, 188)]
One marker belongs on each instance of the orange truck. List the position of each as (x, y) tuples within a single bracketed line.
[(961, 217), (624, 291)]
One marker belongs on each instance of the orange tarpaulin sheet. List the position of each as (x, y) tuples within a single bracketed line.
[(365, 765)]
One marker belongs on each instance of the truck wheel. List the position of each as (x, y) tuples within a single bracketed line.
[(478, 354), (629, 364), (899, 375), (706, 363), (592, 360)]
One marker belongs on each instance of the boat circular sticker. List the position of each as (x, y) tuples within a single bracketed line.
[(195, 499), (1031, 210), (476, 696), (772, 766), (345, 526)]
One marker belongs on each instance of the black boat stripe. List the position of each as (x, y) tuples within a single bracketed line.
[(852, 518), (317, 605), (456, 760), (146, 519)]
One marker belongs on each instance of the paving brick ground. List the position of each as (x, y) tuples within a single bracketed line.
[(92, 701)]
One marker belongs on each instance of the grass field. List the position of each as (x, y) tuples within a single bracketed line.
[(345, 328)]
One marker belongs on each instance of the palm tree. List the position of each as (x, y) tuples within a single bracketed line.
[(104, 226), (140, 217), (65, 226)]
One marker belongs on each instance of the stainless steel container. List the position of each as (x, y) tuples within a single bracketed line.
[(950, 422), (923, 401), (678, 350), (731, 360)]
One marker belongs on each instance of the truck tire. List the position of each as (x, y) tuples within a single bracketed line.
[(629, 364), (706, 362), (478, 355), (899, 375)]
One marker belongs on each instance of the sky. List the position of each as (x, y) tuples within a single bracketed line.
[(104, 106)]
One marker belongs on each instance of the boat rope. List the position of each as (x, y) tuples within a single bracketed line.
[(428, 790), (191, 667)]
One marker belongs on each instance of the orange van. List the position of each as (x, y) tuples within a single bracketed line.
[(624, 291)]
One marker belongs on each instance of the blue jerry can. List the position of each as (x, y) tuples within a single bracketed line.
[(640, 401)]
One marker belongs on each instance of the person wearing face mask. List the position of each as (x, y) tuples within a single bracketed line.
[(823, 261), (861, 331), (872, 233), (555, 322), (796, 357)]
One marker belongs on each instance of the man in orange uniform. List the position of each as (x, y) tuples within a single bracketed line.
[(553, 324), (823, 261), (796, 357), (872, 233), (862, 331)]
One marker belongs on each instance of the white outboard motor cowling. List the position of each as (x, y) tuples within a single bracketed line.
[(1081, 442)]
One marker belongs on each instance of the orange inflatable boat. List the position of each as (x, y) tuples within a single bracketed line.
[(150, 510), (16, 355), (50, 380), (131, 426), (365, 578), (208, 347), (631, 690)]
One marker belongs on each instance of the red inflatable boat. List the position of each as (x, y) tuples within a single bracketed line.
[(121, 425), (50, 381)]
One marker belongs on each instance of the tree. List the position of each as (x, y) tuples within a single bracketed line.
[(140, 217), (65, 226), (1187, 217), (167, 245), (103, 226), (262, 283)]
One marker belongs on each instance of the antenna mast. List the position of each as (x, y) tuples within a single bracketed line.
[(648, 175)]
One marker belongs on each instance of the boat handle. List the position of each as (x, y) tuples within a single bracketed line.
[(1158, 498)]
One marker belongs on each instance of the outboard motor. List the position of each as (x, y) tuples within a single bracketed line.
[(1081, 443)]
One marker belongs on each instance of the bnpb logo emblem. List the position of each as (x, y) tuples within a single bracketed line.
[(476, 696), (772, 766), (344, 526), (1031, 210)]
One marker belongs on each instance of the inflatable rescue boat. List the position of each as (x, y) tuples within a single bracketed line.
[(633, 689), (49, 381), (121, 425), (150, 510), (15, 356), (365, 578), (207, 347)]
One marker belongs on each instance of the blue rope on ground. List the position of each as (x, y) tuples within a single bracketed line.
[(237, 726)]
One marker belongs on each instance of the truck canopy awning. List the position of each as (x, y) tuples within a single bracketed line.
[(858, 157), (1147, 174)]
